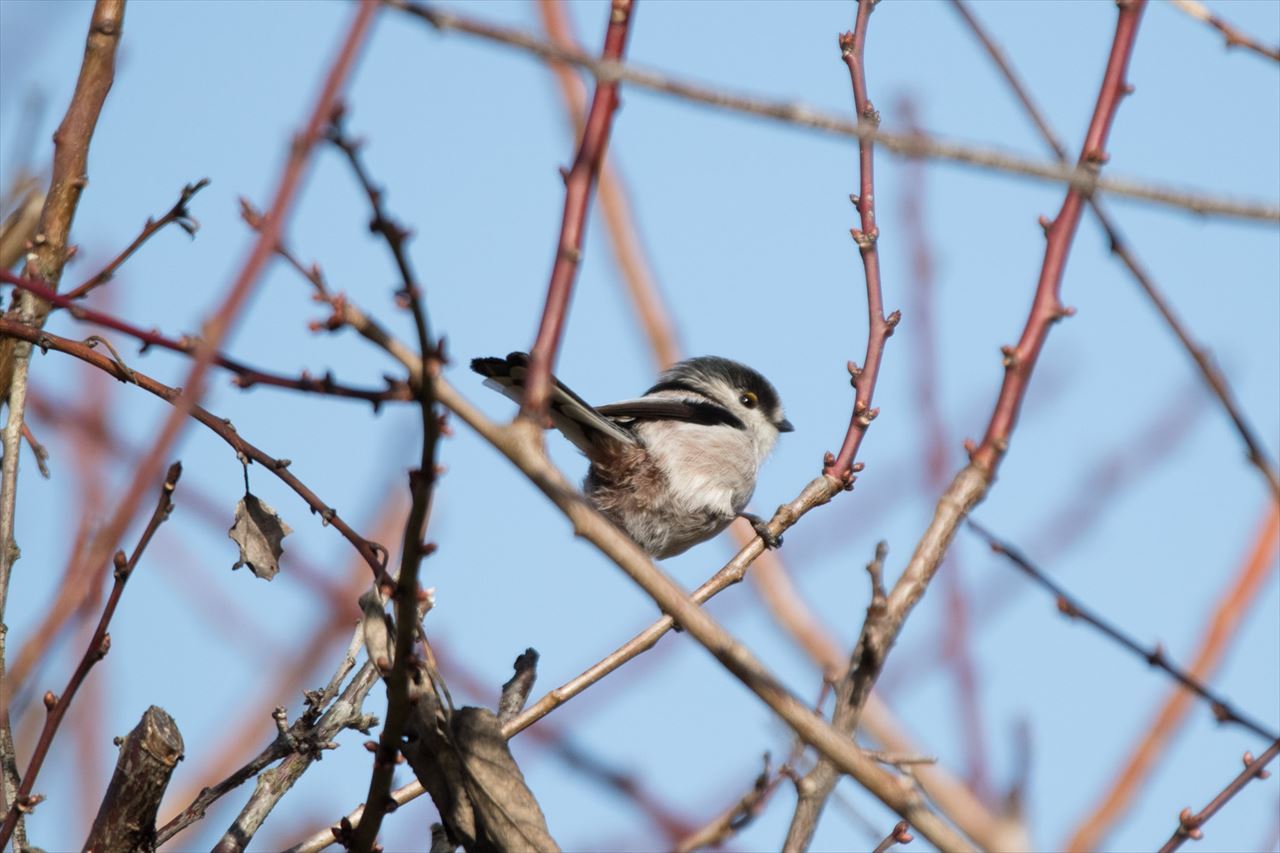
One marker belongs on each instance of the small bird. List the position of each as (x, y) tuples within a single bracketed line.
[(674, 467)]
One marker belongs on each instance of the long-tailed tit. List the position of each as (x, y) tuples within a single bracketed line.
[(674, 467)]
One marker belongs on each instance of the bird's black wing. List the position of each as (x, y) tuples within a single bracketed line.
[(671, 409)]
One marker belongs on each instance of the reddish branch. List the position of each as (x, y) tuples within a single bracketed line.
[(373, 553), (1189, 824), (246, 376), (886, 617), (1213, 376), (1047, 307), (615, 206), (577, 198), (99, 645), (1072, 608), (217, 328), (841, 467), (178, 214)]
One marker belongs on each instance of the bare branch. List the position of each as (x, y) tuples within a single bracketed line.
[(1072, 608), (738, 816), (879, 327), (245, 376), (178, 214), (1189, 824), (374, 554), (1233, 36), (1213, 375), (515, 693), (1081, 179)]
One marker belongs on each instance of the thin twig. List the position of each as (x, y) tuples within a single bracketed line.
[(309, 734), (96, 650), (1227, 617), (1213, 375), (579, 183), (1233, 36), (1189, 824), (178, 214), (372, 553), (407, 594), (842, 466), (1079, 178), (737, 817), (1072, 608), (245, 376)]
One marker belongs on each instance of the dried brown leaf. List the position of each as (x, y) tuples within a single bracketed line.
[(504, 805), (259, 532)]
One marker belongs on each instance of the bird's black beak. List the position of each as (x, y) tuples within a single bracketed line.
[(784, 425)]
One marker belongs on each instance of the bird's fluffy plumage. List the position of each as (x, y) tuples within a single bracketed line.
[(675, 466)]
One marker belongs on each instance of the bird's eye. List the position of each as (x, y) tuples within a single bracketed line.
[(749, 399)]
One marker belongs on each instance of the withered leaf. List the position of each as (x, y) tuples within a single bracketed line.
[(503, 803), (259, 532)]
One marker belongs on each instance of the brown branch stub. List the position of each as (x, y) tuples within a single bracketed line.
[(515, 693), (578, 186), (1189, 824), (126, 819)]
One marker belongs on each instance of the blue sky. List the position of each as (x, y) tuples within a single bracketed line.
[(746, 224)]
